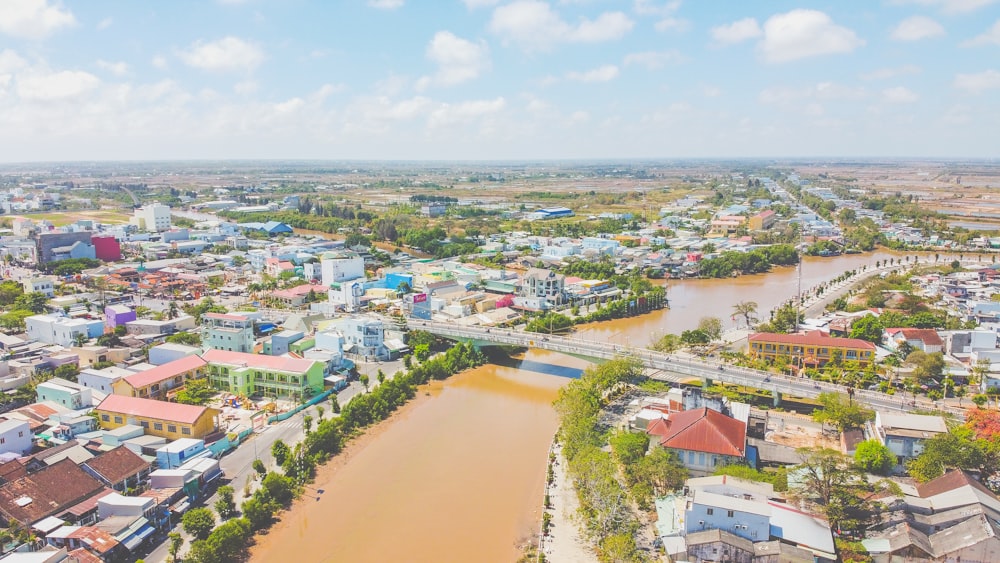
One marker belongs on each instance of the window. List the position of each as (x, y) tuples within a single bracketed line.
[(710, 511), (729, 513), (105, 418), (157, 426), (171, 428), (701, 459), (144, 424), (118, 420), (20, 434), (186, 431)]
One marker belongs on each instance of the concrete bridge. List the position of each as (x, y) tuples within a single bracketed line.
[(674, 368)]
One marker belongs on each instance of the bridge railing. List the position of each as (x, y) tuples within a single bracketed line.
[(676, 364)]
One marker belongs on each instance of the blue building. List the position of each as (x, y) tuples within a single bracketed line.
[(271, 227), (552, 213)]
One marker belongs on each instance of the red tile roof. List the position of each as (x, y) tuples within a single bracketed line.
[(81, 555), (701, 430), (814, 338), (165, 372), (95, 539), (135, 406), (117, 465), (928, 336), (276, 363), (47, 492), (950, 481)]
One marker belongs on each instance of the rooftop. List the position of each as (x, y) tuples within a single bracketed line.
[(162, 410), (702, 430), (118, 464), (164, 372), (243, 359), (814, 338), (47, 491)]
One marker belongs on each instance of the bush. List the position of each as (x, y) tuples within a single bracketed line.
[(198, 522)]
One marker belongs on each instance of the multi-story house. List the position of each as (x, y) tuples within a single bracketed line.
[(155, 383), (64, 331), (233, 333), (269, 376), (811, 349), (703, 439), (904, 433), (363, 336)]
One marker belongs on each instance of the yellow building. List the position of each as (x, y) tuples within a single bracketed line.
[(763, 220), (812, 349), (156, 382), (158, 418)]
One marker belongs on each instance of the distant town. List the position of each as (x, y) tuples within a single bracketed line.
[(186, 343)]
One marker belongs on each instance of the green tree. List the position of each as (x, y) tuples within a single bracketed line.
[(196, 392), (955, 449), (873, 457), (629, 447), (840, 411), (259, 511), (187, 338), (748, 309), (224, 505), (67, 371), (258, 467), (712, 326), (867, 328), (667, 343), (364, 381), (174, 547), (279, 487), (280, 451), (36, 302), (926, 366), (198, 522)]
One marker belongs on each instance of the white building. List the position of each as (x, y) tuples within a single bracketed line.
[(341, 266), (363, 336), (61, 330), (40, 284), (153, 218), (66, 393), (102, 379), (15, 437)]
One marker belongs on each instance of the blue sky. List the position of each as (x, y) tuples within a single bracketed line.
[(497, 80)]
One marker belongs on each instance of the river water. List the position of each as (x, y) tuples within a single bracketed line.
[(459, 476)]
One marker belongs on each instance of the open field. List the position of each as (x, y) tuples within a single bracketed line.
[(60, 218)]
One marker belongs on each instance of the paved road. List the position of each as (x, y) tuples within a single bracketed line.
[(675, 367)]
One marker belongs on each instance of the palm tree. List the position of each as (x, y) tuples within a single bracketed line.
[(748, 309)]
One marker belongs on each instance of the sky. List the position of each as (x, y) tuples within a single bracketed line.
[(498, 79)]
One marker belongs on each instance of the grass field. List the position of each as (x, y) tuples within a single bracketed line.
[(60, 218)]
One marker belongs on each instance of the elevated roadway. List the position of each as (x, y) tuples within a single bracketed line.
[(674, 367)]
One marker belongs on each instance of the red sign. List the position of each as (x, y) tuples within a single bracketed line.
[(420, 298)]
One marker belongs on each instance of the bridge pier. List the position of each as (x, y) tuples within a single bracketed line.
[(777, 399), (706, 383)]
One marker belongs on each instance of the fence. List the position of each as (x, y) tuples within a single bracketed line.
[(286, 415)]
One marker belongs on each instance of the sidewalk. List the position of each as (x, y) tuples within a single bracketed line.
[(564, 543)]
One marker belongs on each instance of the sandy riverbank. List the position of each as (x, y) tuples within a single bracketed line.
[(565, 542)]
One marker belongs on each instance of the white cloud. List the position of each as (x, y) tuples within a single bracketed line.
[(458, 59), (386, 4), (105, 23), (672, 24), (823, 91), (979, 82), (600, 74), (654, 59), (736, 32), (711, 91), (534, 25), (32, 19), (446, 114), (884, 73), (228, 53), (899, 95), (989, 37), (159, 61), (950, 6), (915, 28), (647, 7), (473, 4), (799, 34), (53, 86), (245, 87), (117, 68), (10, 62)]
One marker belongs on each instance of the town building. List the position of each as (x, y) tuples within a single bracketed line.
[(268, 376), (923, 339), (153, 218), (115, 315), (106, 248), (341, 266), (119, 469), (16, 436), (433, 209), (544, 285), (233, 333), (813, 349), (39, 284), (66, 393), (53, 329), (762, 221), (157, 418), (703, 439), (157, 382), (363, 336), (50, 491), (53, 246), (904, 433)]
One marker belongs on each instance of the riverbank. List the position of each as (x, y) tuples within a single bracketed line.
[(455, 475), (565, 542)]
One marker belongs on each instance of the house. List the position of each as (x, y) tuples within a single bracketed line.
[(762, 221), (363, 336), (158, 418), (924, 339), (221, 331), (300, 294), (433, 209), (170, 351), (52, 329), (951, 518), (269, 376), (50, 491), (119, 469), (811, 349), (179, 452), (115, 315), (341, 266), (544, 285), (102, 380), (39, 284), (904, 433), (89, 544), (702, 439), (16, 436), (156, 382), (66, 393)]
